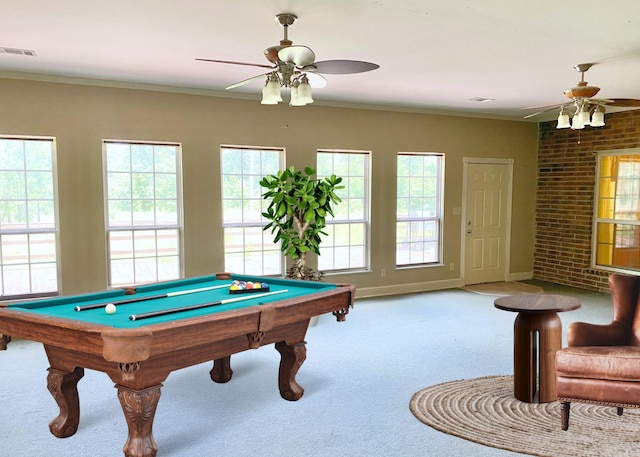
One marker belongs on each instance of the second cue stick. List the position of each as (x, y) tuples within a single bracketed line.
[(149, 297), (164, 312)]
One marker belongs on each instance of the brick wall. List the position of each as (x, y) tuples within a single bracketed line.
[(565, 197)]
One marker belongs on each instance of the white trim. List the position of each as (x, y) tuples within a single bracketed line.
[(487, 160), (594, 212), (281, 152), (366, 222), (463, 226), (522, 276), (178, 226), (110, 83), (439, 218), (400, 289), (56, 214)]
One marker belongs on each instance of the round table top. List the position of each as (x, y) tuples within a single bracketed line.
[(537, 303)]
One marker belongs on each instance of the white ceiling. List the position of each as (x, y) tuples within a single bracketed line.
[(433, 54)]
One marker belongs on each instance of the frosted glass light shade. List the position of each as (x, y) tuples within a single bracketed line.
[(271, 93), (597, 120), (575, 123), (304, 91), (295, 97), (563, 121), (583, 117)]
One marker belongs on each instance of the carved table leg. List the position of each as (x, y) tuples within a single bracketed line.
[(221, 371), (291, 359), (341, 314), (63, 386), (139, 409), (4, 340)]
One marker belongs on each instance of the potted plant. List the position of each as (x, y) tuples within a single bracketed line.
[(299, 204)]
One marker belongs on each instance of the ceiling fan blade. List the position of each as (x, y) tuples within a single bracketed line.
[(316, 81), (246, 81), (625, 102), (299, 55), (528, 116), (544, 110), (237, 63), (344, 67), (545, 107)]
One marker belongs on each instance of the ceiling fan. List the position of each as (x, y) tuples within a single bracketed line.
[(584, 109), (295, 67)]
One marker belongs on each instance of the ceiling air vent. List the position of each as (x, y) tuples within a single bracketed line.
[(482, 99), (19, 52)]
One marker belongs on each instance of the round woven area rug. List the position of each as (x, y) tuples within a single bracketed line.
[(484, 411)]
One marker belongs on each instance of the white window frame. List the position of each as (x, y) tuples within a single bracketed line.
[(601, 219), (38, 286), (141, 231), (412, 240), (256, 254), (327, 244)]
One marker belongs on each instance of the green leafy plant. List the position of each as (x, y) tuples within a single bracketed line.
[(299, 204)]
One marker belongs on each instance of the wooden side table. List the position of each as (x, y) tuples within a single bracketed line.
[(537, 324)]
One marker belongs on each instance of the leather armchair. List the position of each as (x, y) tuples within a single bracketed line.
[(601, 364)]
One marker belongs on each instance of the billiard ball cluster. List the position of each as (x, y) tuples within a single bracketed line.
[(240, 287)]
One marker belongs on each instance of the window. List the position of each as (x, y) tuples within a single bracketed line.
[(247, 248), (144, 212), (617, 219), (420, 184), (346, 245), (28, 219)]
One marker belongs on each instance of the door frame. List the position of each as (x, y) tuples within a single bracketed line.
[(466, 161)]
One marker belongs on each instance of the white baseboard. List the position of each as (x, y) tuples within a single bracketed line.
[(523, 276), (398, 289)]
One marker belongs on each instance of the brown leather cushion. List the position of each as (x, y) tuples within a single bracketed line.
[(619, 363)]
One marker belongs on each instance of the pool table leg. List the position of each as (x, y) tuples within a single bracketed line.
[(292, 357), (4, 340), (139, 408), (63, 386), (221, 371)]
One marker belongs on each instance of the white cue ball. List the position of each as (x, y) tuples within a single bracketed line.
[(110, 308)]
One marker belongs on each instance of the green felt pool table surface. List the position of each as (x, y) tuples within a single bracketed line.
[(64, 307), (139, 355)]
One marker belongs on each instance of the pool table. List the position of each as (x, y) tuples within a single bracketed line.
[(139, 354)]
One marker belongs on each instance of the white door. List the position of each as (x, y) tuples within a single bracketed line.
[(487, 220)]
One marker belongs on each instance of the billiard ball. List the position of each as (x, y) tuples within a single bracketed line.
[(110, 308)]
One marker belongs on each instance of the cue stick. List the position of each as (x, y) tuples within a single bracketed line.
[(136, 317), (150, 297)]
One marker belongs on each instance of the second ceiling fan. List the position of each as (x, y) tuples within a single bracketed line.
[(294, 67), (583, 107)]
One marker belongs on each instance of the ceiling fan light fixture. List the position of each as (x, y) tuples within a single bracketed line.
[(575, 122), (563, 120), (267, 99), (271, 91), (295, 97), (300, 92), (304, 90), (294, 66), (597, 120), (583, 117)]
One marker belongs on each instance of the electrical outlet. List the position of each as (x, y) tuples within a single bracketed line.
[(383, 272), (452, 266)]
